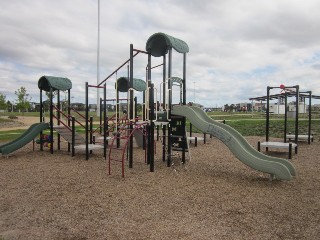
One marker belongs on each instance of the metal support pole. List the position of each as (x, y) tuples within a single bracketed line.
[(285, 117), (86, 119), (51, 122), (90, 130), (105, 123), (100, 116), (297, 118), (184, 79), (267, 120), (309, 125), (151, 136), (184, 102), (131, 107), (41, 119), (164, 128), (170, 105), (73, 128), (59, 117), (267, 112), (69, 105)]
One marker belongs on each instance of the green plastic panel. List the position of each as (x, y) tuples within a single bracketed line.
[(159, 44), (177, 80), (56, 83), (138, 84)]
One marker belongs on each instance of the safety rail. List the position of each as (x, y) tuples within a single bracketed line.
[(60, 121), (73, 109), (67, 116)]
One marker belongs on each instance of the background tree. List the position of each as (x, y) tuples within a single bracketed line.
[(226, 107), (232, 107), (23, 99), (54, 93), (9, 106), (3, 103)]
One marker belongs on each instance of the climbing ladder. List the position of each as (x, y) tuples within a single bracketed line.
[(124, 134)]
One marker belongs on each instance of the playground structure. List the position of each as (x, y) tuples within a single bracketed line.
[(118, 133), (282, 97)]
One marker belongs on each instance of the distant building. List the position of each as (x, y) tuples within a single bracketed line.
[(243, 107), (259, 107), (92, 107)]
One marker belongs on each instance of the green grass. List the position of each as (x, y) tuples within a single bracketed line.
[(276, 129), (25, 114), (257, 127), (247, 124)]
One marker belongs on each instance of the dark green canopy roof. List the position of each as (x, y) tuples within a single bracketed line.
[(159, 44), (138, 84), (177, 80), (56, 83)]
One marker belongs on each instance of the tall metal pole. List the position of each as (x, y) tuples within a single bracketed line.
[(169, 106), (309, 118), (184, 90), (297, 117), (87, 117), (41, 118), (98, 62), (51, 121), (164, 128), (267, 119), (285, 117), (131, 107)]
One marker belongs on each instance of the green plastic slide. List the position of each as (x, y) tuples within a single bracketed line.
[(24, 138), (277, 167)]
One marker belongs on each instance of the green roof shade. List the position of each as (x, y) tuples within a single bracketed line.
[(159, 44), (56, 83), (176, 80), (138, 84)]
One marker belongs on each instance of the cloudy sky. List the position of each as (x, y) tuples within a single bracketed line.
[(237, 47)]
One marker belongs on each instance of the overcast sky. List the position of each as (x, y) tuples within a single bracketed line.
[(237, 47)]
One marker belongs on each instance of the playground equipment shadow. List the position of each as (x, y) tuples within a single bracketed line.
[(214, 196)]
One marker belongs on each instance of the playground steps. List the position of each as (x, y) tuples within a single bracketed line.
[(67, 135)]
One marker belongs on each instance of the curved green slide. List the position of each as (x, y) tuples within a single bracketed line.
[(30, 134), (277, 167)]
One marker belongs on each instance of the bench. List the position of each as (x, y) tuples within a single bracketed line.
[(288, 146), (300, 137)]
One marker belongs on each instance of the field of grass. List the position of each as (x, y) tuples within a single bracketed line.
[(247, 124), (257, 127)]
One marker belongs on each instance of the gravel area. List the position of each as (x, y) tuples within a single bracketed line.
[(21, 123), (213, 196)]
